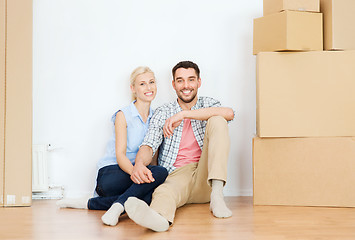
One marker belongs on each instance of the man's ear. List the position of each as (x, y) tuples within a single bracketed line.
[(173, 83), (199, 82)]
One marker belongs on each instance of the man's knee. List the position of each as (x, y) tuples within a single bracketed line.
[(218, 122)]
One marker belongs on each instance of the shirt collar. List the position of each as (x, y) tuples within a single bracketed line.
[(135, 112), (196, 106)]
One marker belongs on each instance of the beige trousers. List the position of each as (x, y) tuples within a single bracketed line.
[(192, 183)]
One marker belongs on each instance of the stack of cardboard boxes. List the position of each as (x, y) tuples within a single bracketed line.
[(304, 152), (15, 102)]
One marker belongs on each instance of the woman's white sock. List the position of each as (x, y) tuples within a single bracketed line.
[(111, 216), (80, 203)]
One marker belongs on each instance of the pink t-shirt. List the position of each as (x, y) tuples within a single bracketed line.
[(189, 150)]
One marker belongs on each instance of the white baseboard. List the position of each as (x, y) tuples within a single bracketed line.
[(238, 192)]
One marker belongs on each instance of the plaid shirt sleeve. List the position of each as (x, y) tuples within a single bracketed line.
[(207, 102), (211, 102), (154, 136)]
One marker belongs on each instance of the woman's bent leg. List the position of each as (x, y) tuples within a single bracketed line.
[(112, 181), (145, 190)]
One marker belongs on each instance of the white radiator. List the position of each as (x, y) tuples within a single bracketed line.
[(39, 168)]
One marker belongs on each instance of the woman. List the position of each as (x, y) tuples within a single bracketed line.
[(131, 123)]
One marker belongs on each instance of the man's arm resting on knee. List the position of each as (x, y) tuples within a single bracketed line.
[(140, 173), (197, 114), (206, 113)]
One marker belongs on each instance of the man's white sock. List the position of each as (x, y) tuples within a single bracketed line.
[(143, 215), (112, 215), (80, 203), (217, 204)]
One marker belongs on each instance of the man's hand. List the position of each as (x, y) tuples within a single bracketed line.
[(172, 123), (141, 174)]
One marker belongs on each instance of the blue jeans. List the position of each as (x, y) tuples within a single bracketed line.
[(115, 186)]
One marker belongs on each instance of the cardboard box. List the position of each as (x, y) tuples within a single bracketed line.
[(16, 102), (275, 6), (288, 31), (339, 19), (2, 98), (304, 171), (305, 94)]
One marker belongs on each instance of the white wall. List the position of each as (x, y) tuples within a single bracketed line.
[(85, 50)]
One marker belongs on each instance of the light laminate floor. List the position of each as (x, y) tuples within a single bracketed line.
[(45, 221)]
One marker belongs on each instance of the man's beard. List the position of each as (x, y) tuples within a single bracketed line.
[(187, 100)]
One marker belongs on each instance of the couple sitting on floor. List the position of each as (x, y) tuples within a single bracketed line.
[(191, 135)]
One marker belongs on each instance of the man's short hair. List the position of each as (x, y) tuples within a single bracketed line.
[(186, 65)]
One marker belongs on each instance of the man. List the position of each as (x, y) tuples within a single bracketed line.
[(192, 134)]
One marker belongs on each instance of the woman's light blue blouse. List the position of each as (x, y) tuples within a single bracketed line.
[(136, 130)]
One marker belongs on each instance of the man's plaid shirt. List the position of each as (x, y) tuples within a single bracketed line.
[(169, 147)]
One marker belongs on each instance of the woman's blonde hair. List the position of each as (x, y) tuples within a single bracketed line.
[(136, 72)]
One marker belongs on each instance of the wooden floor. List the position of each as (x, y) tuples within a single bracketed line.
[(45, 221)]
